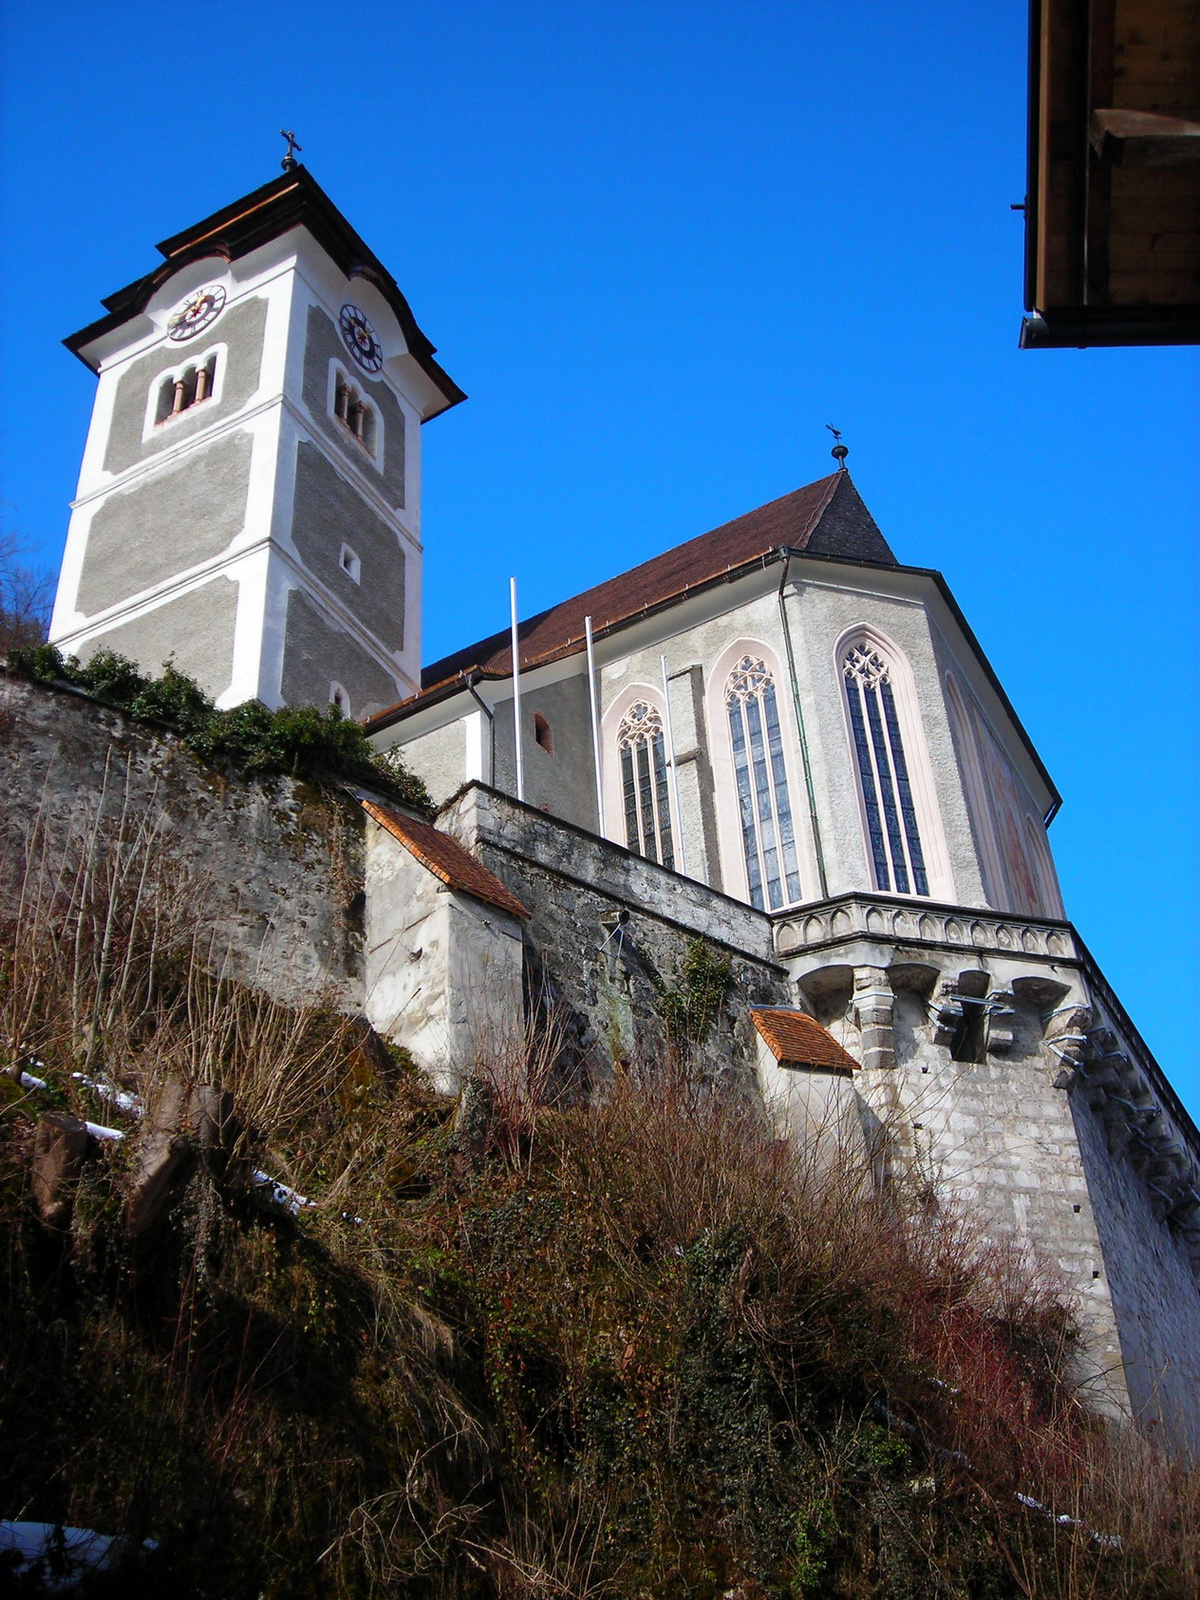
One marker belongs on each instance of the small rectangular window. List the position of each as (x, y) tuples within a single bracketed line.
[(350, 564)]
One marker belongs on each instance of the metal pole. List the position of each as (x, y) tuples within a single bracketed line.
[(591, 672), (516, 665), (680, 858)]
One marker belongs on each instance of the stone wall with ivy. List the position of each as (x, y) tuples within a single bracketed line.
[(630, 963), (274, 863)]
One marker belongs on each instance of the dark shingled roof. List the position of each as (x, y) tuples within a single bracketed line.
[(825, 518), (448, 860), (800, 1041), (293, 200)]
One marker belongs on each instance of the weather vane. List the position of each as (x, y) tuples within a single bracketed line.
[(839, 451), (289, 162)]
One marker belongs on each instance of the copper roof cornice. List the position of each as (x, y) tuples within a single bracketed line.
[(294, 199)]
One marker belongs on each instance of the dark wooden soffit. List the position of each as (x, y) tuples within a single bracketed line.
[(1112, 218), (294, 199)]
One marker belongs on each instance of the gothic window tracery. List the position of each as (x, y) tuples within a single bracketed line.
[(760, 776), (641, 750), (897, 856)]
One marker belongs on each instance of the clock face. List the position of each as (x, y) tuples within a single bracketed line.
[(200, 308), (360, 340)]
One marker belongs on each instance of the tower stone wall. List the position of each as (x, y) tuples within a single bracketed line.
[(257, 425)]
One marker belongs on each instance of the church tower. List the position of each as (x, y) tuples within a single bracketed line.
[(249, 500)]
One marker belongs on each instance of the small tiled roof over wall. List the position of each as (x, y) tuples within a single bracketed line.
[(447, 859), (798, 1040)]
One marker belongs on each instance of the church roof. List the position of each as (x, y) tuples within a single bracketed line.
[(799, 1040), (448, 860), (826, 518), (294, 199)]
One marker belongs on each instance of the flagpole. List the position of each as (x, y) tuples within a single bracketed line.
[(516, 666)]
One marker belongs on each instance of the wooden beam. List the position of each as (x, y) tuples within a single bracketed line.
[(1144, 137)]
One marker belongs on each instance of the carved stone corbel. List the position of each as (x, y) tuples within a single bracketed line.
[(873, 1003), (947, 1013), (1067, 1036), (1000, 1022)]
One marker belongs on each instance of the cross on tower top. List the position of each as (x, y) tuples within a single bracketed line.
[(289, 162)]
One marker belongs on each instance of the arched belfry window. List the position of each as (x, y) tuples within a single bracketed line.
[(760, 774), (897, 856), (643, 757)]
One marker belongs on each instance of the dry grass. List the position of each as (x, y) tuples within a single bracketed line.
[(513, 1349)]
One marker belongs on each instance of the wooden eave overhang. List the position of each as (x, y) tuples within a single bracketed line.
[(1112, 206), (294, 199)]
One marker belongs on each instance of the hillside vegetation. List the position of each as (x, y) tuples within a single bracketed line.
[(318, 1331)]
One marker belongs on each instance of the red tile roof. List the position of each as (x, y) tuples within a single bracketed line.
[(798, 520), (448, 860), (800, 1041)]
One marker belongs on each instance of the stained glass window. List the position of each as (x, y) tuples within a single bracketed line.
[(760, 775), (897, 859), (643, 760)]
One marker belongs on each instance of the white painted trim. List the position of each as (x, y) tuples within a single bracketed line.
[(249, 627), (916, 754), (153, 599), (725, 800)]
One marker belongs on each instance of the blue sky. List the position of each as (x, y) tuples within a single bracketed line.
[(660, 246)]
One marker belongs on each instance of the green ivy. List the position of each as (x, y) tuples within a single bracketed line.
[(690, 1006), (294, 742)]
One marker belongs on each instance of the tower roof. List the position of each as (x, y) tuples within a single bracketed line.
[(825, 518), (294, 199)]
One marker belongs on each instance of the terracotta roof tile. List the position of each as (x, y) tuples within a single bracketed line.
[(801, 1041), (826, 517), (448, 860)]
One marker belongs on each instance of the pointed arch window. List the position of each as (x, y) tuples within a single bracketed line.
[(897, 856), (760, 773), (642, 753)]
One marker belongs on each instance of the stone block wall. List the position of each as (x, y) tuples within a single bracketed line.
[(603, 919), (274, 866), (1015, 1089)]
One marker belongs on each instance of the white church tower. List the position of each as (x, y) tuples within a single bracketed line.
[(249, 500)]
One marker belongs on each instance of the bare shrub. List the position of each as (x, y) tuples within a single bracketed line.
[(640, 1346), (26, 596)]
